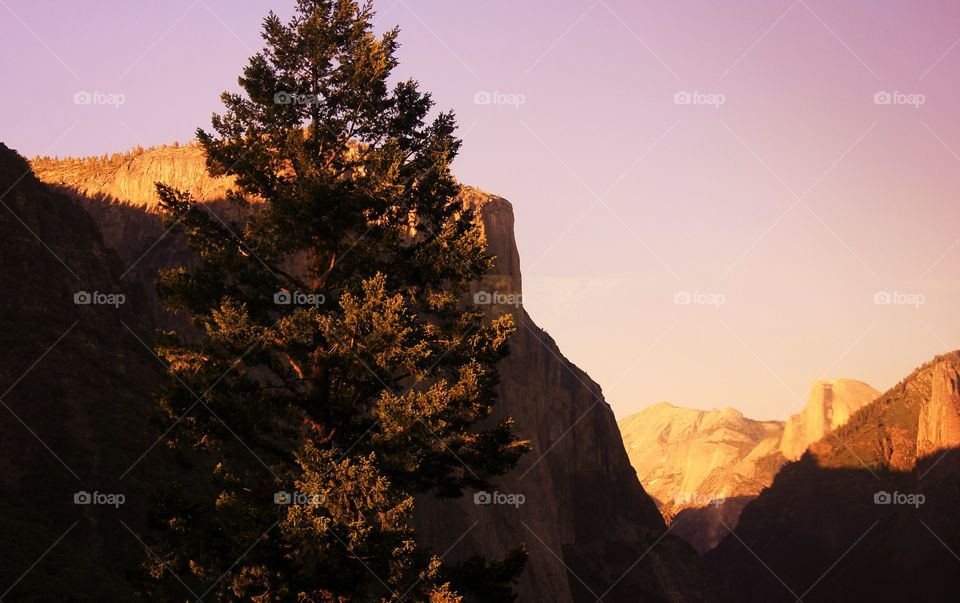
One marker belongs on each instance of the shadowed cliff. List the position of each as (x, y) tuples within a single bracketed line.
[(703, 467), (868, 513), (75, 386), (589, 527)]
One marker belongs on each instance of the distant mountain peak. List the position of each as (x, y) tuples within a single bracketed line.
[(703, 466), (829, 405), (861, 487)]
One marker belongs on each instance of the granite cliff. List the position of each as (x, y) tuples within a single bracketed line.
[(938, 426), (131, 176), (703, 467), (867, 514), (590, 529), (830, 405)]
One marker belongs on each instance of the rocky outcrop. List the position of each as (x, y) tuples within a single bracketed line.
[(867, 514), (939, 423), (131, 177), (829, 405), (701, 466), (588, 526)]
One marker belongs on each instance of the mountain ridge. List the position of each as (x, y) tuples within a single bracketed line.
[(703, 466), (858, 491), (580, 543)]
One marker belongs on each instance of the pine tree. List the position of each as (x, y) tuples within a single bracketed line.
[(337, 372)]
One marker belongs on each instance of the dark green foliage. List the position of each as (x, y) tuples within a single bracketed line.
[(337, 360)]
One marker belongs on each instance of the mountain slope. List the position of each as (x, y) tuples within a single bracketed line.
[(701, 466), (75, 386), (589, 527), (845, 522)]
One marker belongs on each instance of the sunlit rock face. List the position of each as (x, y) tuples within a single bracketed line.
[(939, 423), (120, 194), (702, 466), (830, 405), (131, 177), (589, 528)]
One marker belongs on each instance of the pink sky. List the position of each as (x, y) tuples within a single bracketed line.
[(794, 201)]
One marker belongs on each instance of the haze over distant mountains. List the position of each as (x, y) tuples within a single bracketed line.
[(703, 467), (864, 512)]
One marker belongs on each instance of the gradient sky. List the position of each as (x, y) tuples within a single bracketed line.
[(794, 202)]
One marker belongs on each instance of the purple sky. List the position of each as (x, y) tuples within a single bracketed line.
[(783, 189)]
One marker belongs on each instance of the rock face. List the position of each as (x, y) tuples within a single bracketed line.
[(75, 387), (590, 529), (939, 423), (130, 177), (120, 194), (830, 405), (867, 515), (701, 466)]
